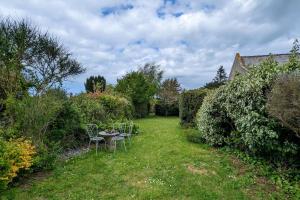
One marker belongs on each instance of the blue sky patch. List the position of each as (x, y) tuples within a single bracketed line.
[(170, 1), (177, 14), (115, 9), (208, 7)]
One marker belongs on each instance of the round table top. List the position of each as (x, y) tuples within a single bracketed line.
[(108, 134)]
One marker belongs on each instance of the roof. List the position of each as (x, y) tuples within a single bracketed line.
[(242, 64), (249, 61)]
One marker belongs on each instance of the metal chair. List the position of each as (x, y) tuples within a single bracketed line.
[(125, 134), (119, 138), (92, 131)]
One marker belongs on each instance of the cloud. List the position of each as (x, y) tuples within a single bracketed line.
[(189, 39)]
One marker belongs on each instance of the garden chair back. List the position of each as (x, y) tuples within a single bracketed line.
[(92, 130)]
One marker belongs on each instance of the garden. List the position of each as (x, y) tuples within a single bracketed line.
[(237, 139)]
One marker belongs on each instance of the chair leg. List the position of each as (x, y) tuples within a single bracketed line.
[(105, 146), (89, 144), (115, 146), (124, 145), (97, 147)]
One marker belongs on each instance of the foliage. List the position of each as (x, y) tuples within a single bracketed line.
[(15, 155), (284, 101), (31, 59), (220, 79), (32, 116), (285, 178), (95, 84), (67, 128), (90, 109), (50, 120), (153, 74), (100, 107), (212, 122), (189, 103), (159, 164), (136, 86), (167, 104), (236, 113)]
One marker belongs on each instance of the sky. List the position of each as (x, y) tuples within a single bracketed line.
[(189, 39)]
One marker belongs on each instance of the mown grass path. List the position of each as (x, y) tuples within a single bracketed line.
[(160, 164)]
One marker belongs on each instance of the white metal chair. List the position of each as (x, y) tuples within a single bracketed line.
[(92, 131), (119, 138), (127, 134)]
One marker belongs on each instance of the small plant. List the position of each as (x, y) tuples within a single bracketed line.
[(15, 155)]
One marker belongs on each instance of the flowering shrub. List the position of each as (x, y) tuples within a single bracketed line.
[(236, 114), (15, 155), (211, 120)]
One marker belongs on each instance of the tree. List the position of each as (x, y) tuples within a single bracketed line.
[(135, 86), (95, 84), (169, 91), (168, 97), (153, 75), (221, 75), (220, 79), (31, 59)]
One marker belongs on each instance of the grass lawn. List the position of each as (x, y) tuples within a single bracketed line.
[(160, 164)]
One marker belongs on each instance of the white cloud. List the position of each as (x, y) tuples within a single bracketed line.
[(189, 39)]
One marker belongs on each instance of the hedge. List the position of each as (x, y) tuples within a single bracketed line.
[(236, 115), (162, 109), (189, 103)]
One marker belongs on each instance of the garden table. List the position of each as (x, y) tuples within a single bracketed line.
[(108, 138)]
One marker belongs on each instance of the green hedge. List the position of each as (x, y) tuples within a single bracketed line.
[(162, 109), (98, 107), (189, 103), (236, 115)]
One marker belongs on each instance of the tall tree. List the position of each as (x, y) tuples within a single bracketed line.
[(138, 89), (95, 84), (153, 74), (168, 95), (221, 75), (30, 59), (219, 79), (169, 91)]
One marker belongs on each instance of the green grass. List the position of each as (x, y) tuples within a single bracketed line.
[(160, 164)]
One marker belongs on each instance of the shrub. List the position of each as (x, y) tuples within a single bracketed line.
[(67, 128), (50, 120), (15, 155), (101, 107), (189, 103), (90, 109), (284, 101), (116, 107), (236, 113), (213, 123), (31, 116), (162, 109)]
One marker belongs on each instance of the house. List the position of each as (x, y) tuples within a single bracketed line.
[(242, 64)]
